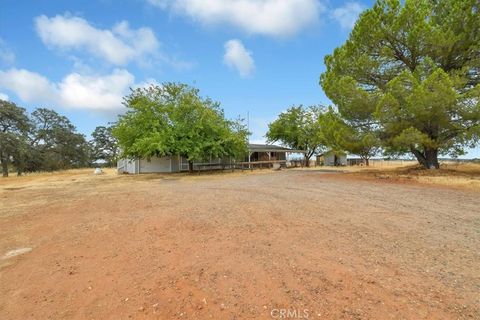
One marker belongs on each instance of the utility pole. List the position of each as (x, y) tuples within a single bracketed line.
[(248, 125), (248, 129)]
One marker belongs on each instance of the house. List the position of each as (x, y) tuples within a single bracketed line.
[(268, 152), (332, 158), (257, 154)]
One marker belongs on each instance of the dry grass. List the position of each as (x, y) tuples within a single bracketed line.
[(458, 175), (66, 177), (56, 177), (454, 175)]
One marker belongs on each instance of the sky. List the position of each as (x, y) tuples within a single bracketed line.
[(256, 57)]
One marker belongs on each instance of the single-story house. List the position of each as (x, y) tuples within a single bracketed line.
[(268, 152), (256, 153), (332, 158)]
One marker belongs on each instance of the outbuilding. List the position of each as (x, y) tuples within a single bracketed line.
[(332, 158)]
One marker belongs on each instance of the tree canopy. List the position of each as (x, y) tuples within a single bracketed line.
[(341, 135), (55, 144), (412, 69), (43, 140), (14, 126), (173, 119), (298, 128), (104, 145)]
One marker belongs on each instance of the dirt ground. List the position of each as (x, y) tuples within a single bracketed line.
[(263, 245)]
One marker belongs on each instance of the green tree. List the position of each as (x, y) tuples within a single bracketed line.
[(413, 68), (356, 138), (104, 145), (298, 128), (14, 126), (55, 143), (172, 119)]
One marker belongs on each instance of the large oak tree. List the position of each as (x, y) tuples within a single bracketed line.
[(54, 143), (104, 145), (14, 127)]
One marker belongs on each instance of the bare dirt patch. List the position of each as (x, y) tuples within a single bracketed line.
[(237, 246)]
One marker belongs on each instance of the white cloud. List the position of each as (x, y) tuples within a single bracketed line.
[(6, 54), (95, 92), (279, 18), (28, 86), (90, 92), (348, 14), (4, 96), (118, 46), (236, 56)]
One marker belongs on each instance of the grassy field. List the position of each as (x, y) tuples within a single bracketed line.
[(399, 243)]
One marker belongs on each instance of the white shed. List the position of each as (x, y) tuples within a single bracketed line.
[(163, 165), (154, 164), (332, 158)]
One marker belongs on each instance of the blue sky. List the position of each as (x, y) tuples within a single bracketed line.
[(256, 56)]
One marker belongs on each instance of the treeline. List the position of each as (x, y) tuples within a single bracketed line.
[(317, 129), (46, 141)]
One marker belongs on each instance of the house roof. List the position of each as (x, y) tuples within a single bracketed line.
[(270, 148)]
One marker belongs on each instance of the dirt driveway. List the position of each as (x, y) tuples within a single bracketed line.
[(271, 245)]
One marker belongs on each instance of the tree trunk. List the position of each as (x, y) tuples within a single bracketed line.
[(431, 156), (190, 166), (428, 159), (19, 168), (365, 158), (4, 168), (307, 161)]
